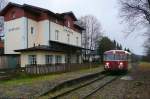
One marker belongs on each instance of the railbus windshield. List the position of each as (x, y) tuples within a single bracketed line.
[(109, 57)]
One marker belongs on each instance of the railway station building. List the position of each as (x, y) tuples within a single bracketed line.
[(39, 36)]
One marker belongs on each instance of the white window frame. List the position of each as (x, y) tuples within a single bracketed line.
[(32, 59), (56, 21), (68, 23), (32, 30), (68, 38), (13, 14), (48, 59), (58, 59), (77, 40), (56, 35)]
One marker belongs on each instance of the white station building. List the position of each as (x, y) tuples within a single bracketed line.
[(39, 36)]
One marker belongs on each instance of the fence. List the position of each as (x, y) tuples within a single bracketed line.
[(46, 69)]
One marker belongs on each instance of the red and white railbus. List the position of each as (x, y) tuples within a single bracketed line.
[(115, 60)]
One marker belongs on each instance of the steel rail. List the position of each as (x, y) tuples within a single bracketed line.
[(100, 87), (76, 88)]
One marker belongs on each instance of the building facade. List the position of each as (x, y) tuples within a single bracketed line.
[(40, 36)]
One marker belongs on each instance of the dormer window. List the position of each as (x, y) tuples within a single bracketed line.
[(13, 15), (68, 23), (56, 21)]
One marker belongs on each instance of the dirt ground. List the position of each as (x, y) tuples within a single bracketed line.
[(137, 87)]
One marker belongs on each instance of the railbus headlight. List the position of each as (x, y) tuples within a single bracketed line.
[(120, 65), (107, 65)]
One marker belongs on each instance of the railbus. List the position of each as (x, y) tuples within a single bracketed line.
[(116, 60)]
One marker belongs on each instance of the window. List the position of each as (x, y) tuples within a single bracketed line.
[(56, 35), (78, 57), (58, 59), (56, 21), (13, 15), (68, 23), (77, 40), (109, 57), (32, 30), (49, 59), (32, 59), (115, 57), (68, 38), (120, 57), (68, 58)]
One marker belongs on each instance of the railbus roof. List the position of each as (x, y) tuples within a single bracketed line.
[(117, 52)]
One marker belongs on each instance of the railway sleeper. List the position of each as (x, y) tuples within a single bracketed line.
[(70, 83)]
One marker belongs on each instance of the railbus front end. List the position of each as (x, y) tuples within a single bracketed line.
[(116, 60)]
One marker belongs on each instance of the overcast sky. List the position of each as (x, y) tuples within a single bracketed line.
[(105, 10)]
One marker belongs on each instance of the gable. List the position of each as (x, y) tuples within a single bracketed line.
[(68, 21), (13, 13)]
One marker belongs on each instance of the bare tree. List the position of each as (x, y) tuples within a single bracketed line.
[(93, 32), (3, 3), (135, 13)]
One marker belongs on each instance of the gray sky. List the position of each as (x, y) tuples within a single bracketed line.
[(105, 10)]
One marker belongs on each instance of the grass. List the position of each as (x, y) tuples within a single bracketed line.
[(31, 84), (23, 79), (27, 79), (15, 86), (144, 65)]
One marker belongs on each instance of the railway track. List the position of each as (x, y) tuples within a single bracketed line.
[(100, 87), (87, 89)]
